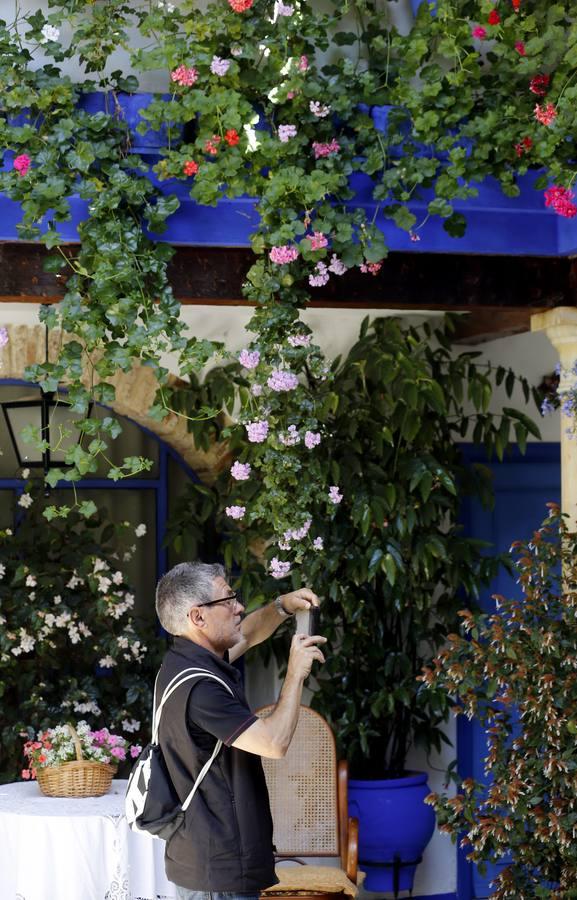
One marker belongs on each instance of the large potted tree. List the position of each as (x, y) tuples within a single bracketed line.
[(396, 563)]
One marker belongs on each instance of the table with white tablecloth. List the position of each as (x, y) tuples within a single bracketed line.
[(60, 848)]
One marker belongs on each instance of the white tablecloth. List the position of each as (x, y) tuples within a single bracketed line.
[(55, 848)]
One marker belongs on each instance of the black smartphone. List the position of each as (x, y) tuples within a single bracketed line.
[(314, 620)]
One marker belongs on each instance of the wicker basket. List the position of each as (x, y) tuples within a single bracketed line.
[(80, 778)]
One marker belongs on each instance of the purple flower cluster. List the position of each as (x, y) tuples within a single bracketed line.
[(249, 359), (235, 512), (219, 66), (256, 389), (321, 277), (282, 9), (337, 266), (291, 438), (297, 534), (281, 380), (283, 254), (299, 340), (278, 568), (240, 471), (257, 431), (312, 438), (318, 543), (286, 132), (335, 495)]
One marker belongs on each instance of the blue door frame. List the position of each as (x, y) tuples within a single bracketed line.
[(523, 484)]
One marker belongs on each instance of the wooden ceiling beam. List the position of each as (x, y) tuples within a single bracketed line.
[(485, 286)]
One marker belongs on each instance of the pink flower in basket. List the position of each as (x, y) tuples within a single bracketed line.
[(57, 746)]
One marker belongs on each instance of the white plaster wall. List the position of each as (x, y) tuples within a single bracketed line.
[(398, 13)]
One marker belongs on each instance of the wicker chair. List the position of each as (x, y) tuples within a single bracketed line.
[(308, 796)]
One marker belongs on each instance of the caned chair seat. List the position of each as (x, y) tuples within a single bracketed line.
[(308, 797)]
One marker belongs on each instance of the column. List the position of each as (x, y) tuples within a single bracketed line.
[(560, 326)]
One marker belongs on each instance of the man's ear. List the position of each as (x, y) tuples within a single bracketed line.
[(197, 616)]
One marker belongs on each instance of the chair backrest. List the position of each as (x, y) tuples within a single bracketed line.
[(303, 790)]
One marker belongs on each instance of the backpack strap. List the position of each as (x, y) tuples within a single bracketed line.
[(171, 687)]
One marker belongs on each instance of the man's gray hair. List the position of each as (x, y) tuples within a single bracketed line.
[(185, 585)]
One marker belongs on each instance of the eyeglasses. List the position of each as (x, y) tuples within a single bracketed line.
[(231, 600)]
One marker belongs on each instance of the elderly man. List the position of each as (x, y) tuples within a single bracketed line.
[(224, 848)]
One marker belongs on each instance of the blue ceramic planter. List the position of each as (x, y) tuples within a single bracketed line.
[(131, 107), (416, 3), (395, 826)]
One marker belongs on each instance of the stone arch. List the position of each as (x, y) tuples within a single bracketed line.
[(135, 393)]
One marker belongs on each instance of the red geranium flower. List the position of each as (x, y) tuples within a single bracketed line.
[(516, 4), (494, 17), (190, 167), (539, 84), (231, 137)]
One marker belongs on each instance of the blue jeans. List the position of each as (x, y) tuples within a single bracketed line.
[(185, 894)]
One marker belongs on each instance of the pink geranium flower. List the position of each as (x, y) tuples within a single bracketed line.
[(283, 254), (184, 75), (22, 163), (479, 32), (545, 114)]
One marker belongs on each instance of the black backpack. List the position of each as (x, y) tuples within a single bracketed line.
[(151, 803)]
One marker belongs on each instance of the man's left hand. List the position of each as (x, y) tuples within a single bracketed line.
[(304, 598)]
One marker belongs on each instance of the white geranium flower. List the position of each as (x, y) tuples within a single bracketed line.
[(140, 530), (49, 33), (25, 474), (25, 500)]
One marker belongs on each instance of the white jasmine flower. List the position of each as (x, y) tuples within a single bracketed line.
[(57, 599), (103, 584), (25, 474), (107, 662), (99, 565), (30, 581), (130, 725), (25, 500), (140, 530), (118, 578)]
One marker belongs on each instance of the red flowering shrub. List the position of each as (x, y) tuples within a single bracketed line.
[(516, 672)]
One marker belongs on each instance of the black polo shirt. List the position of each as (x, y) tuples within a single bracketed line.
[(225, 843)]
